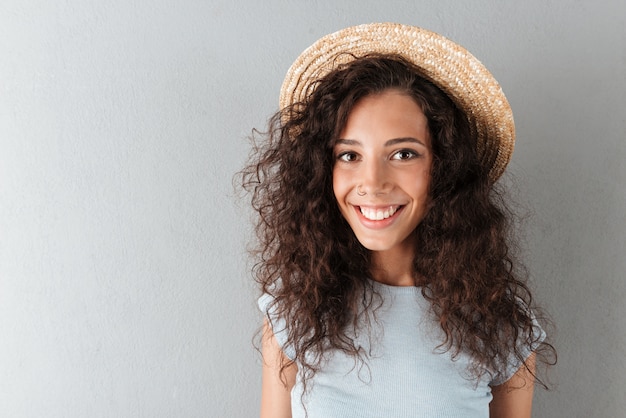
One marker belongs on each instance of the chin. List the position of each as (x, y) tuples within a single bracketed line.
[(376, 245)]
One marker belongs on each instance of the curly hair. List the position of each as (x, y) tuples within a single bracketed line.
[(310, 262)]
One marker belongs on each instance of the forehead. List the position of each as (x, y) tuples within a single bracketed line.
[(384, 120)]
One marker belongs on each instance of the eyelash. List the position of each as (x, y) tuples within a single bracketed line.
[(411, 155), (341, 156)]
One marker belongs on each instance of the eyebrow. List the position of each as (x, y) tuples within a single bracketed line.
[(389, 143)]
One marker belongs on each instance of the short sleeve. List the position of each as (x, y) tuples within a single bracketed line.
[(514, 363), (279, 326)]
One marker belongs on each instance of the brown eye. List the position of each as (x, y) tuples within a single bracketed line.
[(405, 154), (347, 157)]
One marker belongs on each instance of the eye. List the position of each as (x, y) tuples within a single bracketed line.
[(405, 154), (348, 156)]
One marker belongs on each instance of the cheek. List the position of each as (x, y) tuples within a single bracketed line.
[(420, 187), (341, 190), (339, 185)]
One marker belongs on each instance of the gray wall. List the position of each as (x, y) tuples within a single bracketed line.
[(124, 285)]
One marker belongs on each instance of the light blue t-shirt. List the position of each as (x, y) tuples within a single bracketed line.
[(403, 375)]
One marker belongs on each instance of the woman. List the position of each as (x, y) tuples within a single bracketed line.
[(388, 283)]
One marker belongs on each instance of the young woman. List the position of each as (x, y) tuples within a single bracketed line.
[(389, 287)]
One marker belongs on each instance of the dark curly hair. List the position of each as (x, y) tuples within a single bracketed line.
[(318, 273)]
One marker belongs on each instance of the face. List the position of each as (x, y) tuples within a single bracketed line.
[(381, 171)]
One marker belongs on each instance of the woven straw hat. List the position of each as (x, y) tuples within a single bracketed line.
[(451, 67)]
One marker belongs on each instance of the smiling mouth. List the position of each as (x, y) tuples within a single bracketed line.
[(378, 214)]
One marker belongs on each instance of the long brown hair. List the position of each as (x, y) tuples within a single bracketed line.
[(318, 273)]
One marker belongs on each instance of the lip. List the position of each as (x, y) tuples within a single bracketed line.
[(377, 224)]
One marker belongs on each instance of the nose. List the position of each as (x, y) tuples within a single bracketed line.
[(374, 178)]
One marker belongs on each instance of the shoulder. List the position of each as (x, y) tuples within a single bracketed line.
[(513, 398), (276, 324)]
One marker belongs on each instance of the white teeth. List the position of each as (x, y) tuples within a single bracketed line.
[(378, 214)]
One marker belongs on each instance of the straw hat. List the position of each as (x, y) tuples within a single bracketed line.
[(451, 67)]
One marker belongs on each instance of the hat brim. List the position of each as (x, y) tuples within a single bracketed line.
[(450, 66)]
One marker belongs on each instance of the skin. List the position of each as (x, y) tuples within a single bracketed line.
[(275, 393), (514, 398), (383, 161)]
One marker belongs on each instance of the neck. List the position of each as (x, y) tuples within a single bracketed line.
[(393, 267)]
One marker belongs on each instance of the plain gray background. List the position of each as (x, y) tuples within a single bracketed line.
[(124, 282)]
